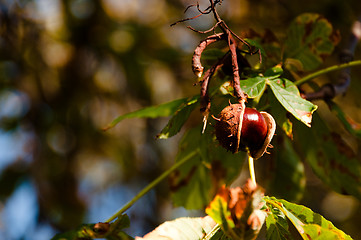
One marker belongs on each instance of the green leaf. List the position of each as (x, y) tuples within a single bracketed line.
[(310, 38), (282, 119), (162, 110), (308, 217), (179, 118), (353, 127), (195, 182), (277, 226), (274, 72), (307, 223), (254, 87), (288, 95), (329, 156), (289, 171)]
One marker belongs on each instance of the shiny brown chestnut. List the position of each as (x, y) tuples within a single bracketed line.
[(246, 129)]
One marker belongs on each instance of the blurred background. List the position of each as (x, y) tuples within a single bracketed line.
[(68, 68)]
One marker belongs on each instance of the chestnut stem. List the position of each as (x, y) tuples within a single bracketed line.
[(251, 169)]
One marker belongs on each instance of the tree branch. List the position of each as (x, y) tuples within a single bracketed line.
[(329, 90)]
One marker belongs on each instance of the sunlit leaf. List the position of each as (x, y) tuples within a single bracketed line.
[(274, 72), (254, 87), (277, 225), (218, 210), (195, 182), (307, 223), (310, 38), (283, 116), (313, 231), (182, 228), (329, 156), (162, 110), (288, 95)]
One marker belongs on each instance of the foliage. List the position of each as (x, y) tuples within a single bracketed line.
[(308, 225), (239, 212), (126, 66)]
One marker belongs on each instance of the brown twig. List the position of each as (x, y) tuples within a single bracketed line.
[(206, 31), (206, 11), (205, 101), (197, 67), (233, 48), (236, 78), (196, 59)]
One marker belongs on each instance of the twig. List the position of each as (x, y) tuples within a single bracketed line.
[(206, 11), (196, 59), (329, 91), (206, 31), (205, 100), (236, 78), (327, 70)]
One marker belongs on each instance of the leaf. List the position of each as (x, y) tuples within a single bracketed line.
[(289, 171), (195, 182), (218, 210), (274, 72), (310, 38), (288, 95), (283, 117), (307, 223), (182, 228), (179, 118), (332, 160), (254, 87), (162, 110), (353, 127), (277, 226), (313, 231)]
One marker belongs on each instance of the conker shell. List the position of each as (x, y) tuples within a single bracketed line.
[(227, 126), (257, 134)]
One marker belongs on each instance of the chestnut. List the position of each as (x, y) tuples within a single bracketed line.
[(254, 129), (240, 128)]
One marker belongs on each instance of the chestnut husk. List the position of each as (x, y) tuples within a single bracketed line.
[(229, 125)]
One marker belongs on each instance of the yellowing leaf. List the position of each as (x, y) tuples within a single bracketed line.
[(310, 38)]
